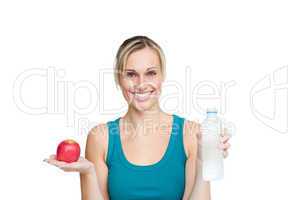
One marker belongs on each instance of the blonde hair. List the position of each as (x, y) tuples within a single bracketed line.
[(131, 45)]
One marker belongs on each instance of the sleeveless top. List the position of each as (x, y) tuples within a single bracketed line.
[(163, 180)]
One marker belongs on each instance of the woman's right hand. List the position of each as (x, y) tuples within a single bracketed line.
[(82, 166)]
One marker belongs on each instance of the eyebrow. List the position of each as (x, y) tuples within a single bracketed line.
[(146, 70)]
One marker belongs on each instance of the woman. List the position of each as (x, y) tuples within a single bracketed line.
[(147, 153)]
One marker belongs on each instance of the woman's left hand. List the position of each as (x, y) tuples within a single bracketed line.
[(224, 142)]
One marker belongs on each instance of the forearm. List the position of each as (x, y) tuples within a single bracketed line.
[(201, 191), (201, 188), (89, 186)]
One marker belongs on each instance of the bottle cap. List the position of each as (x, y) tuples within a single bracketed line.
[(212, 110)]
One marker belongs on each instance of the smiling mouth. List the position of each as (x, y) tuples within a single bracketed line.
[(142, 96)]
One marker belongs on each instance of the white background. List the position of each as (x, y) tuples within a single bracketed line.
[(218, 41)]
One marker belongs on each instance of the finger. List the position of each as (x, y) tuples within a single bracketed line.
[(81, 158), (225, 132), (225, 154), (225, 146), (53, 156), (52, 160), (225, 138), (56, 163)]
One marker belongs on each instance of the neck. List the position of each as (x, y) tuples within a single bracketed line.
[(139, 119)]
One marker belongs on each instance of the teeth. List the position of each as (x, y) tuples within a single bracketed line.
[(142, 94)]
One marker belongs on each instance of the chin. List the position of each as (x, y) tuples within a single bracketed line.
[(144, 105), (147, 106)]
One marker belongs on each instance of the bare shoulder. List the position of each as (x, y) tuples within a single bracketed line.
[(191, 137), (97, 143)]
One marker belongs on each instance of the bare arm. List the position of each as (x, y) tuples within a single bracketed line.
[(195, 187), (89, 186), (94, 184), (202, 188)]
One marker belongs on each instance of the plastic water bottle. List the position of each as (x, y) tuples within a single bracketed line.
[(212, 156)]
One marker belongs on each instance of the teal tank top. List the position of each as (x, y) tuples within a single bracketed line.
[(163, 180)]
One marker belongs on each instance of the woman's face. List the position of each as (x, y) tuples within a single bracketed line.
[(141, 79)]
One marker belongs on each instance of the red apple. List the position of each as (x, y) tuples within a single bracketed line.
[(68, 151)]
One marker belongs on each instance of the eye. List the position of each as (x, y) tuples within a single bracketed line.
[(130, 74), (151, 73)]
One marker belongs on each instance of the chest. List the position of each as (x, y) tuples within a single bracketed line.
[(146, 149)]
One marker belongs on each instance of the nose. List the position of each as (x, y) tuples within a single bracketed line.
[(141, 84), (140, 80)]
